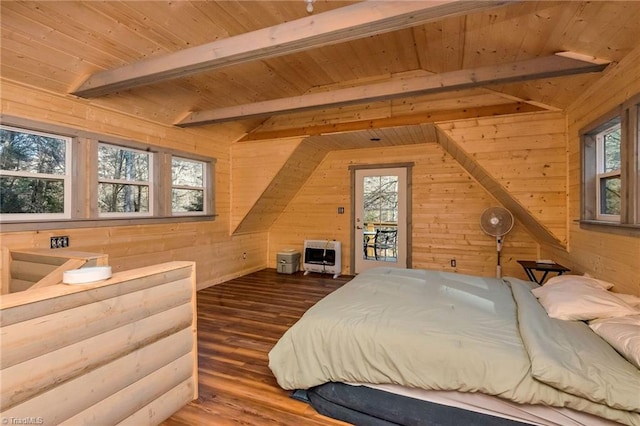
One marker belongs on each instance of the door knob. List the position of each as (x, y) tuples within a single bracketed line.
[(358, 227)]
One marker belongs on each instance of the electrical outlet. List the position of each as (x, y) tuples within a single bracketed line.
[(59, 242), (453, 263), (244, 255)]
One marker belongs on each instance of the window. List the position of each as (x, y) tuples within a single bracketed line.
[(381, 200), (608, 175), (50, 180), (124, 181), (35, 175), (610, 168), (187, 186)]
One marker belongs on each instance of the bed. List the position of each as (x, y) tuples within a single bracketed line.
[(405, 346)]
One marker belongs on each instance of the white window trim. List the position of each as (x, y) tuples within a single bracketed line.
[(202, 188), (601, 174), (65, 178), (148, 183)]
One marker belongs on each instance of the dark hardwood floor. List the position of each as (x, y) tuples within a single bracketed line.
[(238, 323)]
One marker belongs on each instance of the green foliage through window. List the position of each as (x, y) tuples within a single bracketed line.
[(123, 176), (33, 171), (187, 179), (47, 177), (609, 163)]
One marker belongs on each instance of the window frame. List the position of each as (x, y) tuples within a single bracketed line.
[(601, 174), (627, 115), (148, 183), (66, 179), (84, 178), (203, 188)]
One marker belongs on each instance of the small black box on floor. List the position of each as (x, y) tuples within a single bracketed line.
[(288, 261)]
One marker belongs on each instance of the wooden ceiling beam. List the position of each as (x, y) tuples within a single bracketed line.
[(405, 120), (352, 22), (531, 69), (532, 102)]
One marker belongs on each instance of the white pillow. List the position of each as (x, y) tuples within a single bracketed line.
[(629, 299), (581, 279), (574, 301), (623, 334)]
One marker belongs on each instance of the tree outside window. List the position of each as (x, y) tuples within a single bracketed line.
[(187, 181), (89, 180), (381, 201), (124, 183), (609, 173), (34, 173)]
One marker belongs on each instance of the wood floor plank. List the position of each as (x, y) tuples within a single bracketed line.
[(239, 321)]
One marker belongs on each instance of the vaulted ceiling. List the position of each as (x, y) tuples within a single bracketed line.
[(263, 70), (57, 46)]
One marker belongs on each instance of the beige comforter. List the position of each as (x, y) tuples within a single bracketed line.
[(445, 331)]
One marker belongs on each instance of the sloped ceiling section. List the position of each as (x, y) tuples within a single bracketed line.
[(281, 189), (352, 22), (539, 232), (254, 165), (301, 164), (308, 155), (526, 155)]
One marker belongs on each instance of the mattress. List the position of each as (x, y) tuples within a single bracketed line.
[(492, 406), (452, 332), (366, 406)]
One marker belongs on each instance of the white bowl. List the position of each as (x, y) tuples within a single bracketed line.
[(86, 275)]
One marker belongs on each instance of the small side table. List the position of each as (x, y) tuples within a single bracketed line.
[(531, 265)]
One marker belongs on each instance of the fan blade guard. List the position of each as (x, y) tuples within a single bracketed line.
[(496, 221)]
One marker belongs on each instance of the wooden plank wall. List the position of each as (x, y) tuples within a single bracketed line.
[(497, 190), (527, 156), (118, 351), (612, 257), (218, 255), (254, 165), (447, 204)]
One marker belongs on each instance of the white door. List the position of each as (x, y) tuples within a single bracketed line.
[(380, 218)]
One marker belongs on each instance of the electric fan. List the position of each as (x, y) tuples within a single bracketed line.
[(497, 222)]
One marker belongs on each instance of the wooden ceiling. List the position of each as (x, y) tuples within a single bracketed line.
[(58, 45)]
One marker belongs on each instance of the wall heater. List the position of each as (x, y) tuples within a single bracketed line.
[(322, 256)]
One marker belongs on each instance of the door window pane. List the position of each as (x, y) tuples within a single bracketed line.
[(380, 215)]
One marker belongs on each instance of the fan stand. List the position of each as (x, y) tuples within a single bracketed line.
[(498, 249), (497, 222)]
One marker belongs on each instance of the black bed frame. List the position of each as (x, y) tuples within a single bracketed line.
[(365, 406)]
